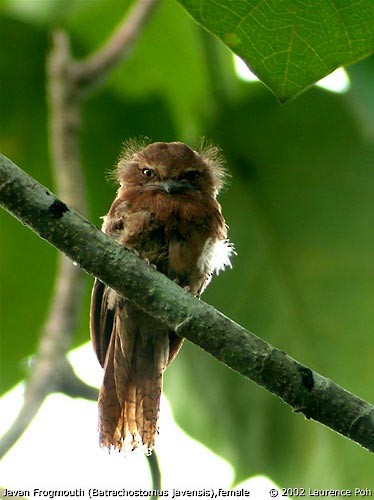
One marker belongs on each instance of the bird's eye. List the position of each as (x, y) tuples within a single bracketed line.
[(191, 175), (147, 172)]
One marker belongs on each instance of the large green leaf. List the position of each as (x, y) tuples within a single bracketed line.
[(290, 44)]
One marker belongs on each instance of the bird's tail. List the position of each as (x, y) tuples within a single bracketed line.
[(129, 399)]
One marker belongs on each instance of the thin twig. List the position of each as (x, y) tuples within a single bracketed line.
[(74, 387), (44, 381), (88, 73), (154, 468), (304, 390)]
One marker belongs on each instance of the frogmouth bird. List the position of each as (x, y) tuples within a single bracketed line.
[(167, 213)]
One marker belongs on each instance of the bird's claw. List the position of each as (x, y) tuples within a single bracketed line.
[(186, 288), (149, 263)]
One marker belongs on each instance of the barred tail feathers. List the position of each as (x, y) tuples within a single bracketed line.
[(129, 398), (135, 423)]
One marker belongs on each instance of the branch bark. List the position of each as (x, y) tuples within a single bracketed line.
[(305, 391), (67, 81)]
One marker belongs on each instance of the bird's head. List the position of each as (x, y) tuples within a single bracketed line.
[(173, 169)]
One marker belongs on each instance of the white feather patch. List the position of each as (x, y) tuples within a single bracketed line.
[(215, 256)]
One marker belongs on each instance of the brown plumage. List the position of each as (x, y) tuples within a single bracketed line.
[(166, 211)]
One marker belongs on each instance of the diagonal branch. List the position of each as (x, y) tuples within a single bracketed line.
[(305, 391), (67, 79), (91, 71)]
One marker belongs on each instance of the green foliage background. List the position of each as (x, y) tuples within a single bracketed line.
[(299, 205)]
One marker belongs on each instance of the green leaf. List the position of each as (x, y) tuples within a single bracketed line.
[(290, 44)]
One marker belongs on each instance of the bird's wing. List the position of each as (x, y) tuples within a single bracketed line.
[(103, 298), (101, 319)]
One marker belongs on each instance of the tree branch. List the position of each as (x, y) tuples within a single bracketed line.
[(90, 72), (305, 391), (51, 371), (154, 469), (67, 79)]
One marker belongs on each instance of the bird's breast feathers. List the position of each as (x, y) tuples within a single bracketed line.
[(185, 241)]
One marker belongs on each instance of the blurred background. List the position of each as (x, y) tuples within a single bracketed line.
[(299, 205)]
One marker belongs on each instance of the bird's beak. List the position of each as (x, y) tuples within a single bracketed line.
[(173, 186)]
